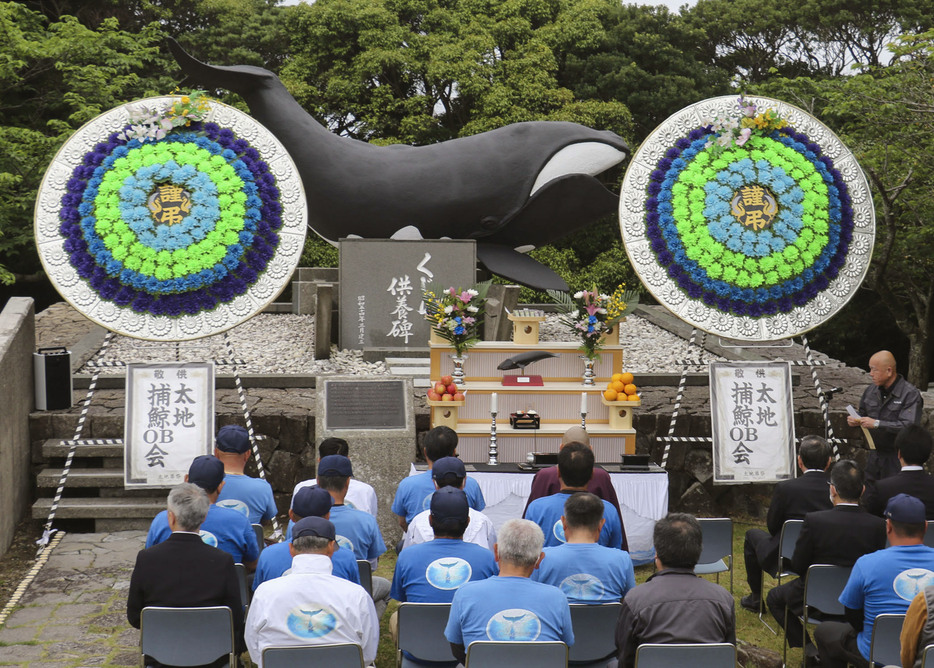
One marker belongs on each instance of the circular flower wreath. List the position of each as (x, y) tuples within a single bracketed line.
[(737, 268), (209, 256)]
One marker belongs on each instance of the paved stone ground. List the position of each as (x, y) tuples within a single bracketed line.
[(74, 612)]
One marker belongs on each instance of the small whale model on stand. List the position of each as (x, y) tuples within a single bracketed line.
[(516, 187)]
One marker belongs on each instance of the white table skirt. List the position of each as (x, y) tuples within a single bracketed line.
[(643, 499)]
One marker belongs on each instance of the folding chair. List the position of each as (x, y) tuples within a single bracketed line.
[(696, 655), (345, 655), (260, 536), (717, 546), (823, 585), (594, 634), (241, 581), (791, 529), (928, 657), (885, 648), (929, 534), (187, 636), (517, 654), (366, 575), (421, 634)]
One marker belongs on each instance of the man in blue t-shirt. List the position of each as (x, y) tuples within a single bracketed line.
[(585, 571), (250, 496), (276, 559), (356, 529), (414, 493), (431, 572), (881, 582), (224, 528), (575, 468), (510, 606)]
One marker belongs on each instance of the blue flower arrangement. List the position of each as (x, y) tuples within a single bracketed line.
[(210, 254)]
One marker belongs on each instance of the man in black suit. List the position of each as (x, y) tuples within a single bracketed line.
[(791, 500), (838, 536), (913, 445), (183, 571)]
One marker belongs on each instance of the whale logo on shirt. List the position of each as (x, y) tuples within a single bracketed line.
[(448, 573), (514, 624), (208, 538), (583, 587), (310, 624), (235, 504), (909, 583), (558, 531), (344, 541)]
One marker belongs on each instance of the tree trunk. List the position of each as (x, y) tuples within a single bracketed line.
[(919, 358)]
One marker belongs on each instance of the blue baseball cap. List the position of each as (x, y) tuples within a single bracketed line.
[(450, 503), (905, 508), (312, 501), (336, 465), (448, 466), (314, 526), (232, 438), (207, 472)]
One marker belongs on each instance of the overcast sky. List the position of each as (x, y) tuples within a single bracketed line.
[(673, 4)]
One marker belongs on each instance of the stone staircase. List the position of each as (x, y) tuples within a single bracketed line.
[(94, 497)]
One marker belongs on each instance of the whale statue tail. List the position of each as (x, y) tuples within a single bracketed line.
[(237, 78)]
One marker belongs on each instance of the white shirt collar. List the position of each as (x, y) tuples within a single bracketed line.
[(813, 471), (311, 563), (912, 468)]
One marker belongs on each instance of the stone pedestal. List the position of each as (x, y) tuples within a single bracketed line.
[(381, 456)]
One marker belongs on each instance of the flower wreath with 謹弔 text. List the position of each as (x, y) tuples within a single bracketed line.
[(171, 216), (748, 216)]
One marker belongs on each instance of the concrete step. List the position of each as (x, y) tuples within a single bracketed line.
[(409, 371), (99, 447), (97, 508), (81, 477), (408, 361)]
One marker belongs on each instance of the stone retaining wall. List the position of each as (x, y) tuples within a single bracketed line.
[(17, 343)]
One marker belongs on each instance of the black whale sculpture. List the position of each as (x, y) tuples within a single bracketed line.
[(523, 185)]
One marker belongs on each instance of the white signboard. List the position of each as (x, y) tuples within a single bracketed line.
[(169, 421), (751, 415)]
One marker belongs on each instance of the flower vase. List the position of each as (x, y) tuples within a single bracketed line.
[(458, 373), (589, 375)]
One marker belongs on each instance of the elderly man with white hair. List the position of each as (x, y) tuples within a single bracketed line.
[(510, 606)]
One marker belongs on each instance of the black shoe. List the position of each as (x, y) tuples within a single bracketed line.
[(811, 656), (751, 603)]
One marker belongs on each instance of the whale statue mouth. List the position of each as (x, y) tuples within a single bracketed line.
[(591, 158)]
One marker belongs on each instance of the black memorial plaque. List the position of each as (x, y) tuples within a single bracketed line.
[(364, 404), (381, 285)]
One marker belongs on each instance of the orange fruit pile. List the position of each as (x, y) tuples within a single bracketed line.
[(621, 388)]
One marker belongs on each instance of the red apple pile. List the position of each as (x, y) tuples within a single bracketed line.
[(445, 390)]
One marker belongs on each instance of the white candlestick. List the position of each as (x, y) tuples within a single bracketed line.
[(583, 402), (493, 403)]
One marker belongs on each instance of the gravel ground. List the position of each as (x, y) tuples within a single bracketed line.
[(284, 344), (267, 343), (647, 348)]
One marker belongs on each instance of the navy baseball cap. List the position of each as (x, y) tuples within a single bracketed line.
[(311, 501), (449, 503), (207, 472), (232, 438), (335, 465), (448, 466), (314, 526), (905, 508)]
